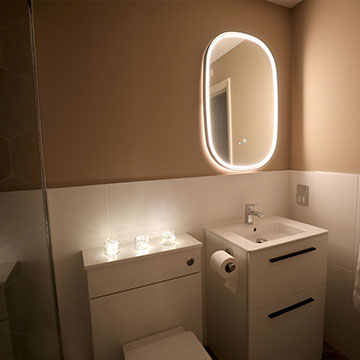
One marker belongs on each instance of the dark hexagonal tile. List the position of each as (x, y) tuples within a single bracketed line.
[(16, 49), (17, 105), (25, 157), (5, 168), (12, 11)]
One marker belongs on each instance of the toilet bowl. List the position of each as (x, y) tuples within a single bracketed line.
[(174, 344)]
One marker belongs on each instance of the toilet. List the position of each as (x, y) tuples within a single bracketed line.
[(174, 344), (148, 304)]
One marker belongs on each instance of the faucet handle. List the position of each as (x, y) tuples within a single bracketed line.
[(250, 206)]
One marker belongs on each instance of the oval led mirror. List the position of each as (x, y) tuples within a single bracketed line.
[(241, 101)]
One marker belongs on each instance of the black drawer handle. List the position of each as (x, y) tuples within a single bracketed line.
[(290, 308), (296, 253)]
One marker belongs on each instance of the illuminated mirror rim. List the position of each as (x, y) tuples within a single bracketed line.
[(207, 128)]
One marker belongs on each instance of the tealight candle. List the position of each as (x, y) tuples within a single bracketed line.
[(168, 238), (142, 242), (111, 247)]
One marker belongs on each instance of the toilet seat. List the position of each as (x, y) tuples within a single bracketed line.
[(174, 344)]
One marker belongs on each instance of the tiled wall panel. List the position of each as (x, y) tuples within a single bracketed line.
[(81, 217), (333, 204)]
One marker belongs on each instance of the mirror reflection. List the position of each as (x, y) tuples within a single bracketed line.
[(240, 101)]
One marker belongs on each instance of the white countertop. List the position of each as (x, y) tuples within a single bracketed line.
[(95, 258), (226, 231)]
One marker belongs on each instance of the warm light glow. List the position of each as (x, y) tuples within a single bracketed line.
[(111, 247), (141, 252), (168, 238), (207, 128), (142, 242)]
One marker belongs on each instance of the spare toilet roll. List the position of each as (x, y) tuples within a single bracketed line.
[(227, 267)]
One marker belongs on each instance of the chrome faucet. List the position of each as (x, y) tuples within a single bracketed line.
[(250, 213)]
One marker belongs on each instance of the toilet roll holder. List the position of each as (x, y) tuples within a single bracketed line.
[(230, 267)]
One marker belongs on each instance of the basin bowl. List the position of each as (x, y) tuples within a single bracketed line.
[(267, 232)]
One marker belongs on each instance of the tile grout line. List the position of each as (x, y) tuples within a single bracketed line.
[(356, 247), (289, 193), (13, 23), (109, 210), (340, 266)]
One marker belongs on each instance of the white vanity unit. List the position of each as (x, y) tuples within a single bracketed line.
[(277, 311), (139, 293)]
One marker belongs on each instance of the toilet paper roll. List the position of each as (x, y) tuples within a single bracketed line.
[(227, 267)]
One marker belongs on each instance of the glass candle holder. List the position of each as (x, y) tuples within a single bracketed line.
[(168, 238), (142, 242), (111, 247)]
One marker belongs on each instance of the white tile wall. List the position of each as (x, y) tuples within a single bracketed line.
[(21, 216), (29, 293), (270, 190), (342, 326), (333, 203), (185, 205), (80, 218)]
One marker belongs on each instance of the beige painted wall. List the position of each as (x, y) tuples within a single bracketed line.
[(120, 83), (250, 73), (326, 86)]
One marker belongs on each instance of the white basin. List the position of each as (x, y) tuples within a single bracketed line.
[(264, 232), (267, 232)]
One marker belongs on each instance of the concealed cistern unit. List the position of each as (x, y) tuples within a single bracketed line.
[(126, 324), (250, 213)]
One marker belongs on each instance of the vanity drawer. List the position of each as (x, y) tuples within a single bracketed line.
[(141, 272), (281, 271), (291, 328)]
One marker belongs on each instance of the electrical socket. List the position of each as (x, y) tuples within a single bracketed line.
[(302, 195)]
